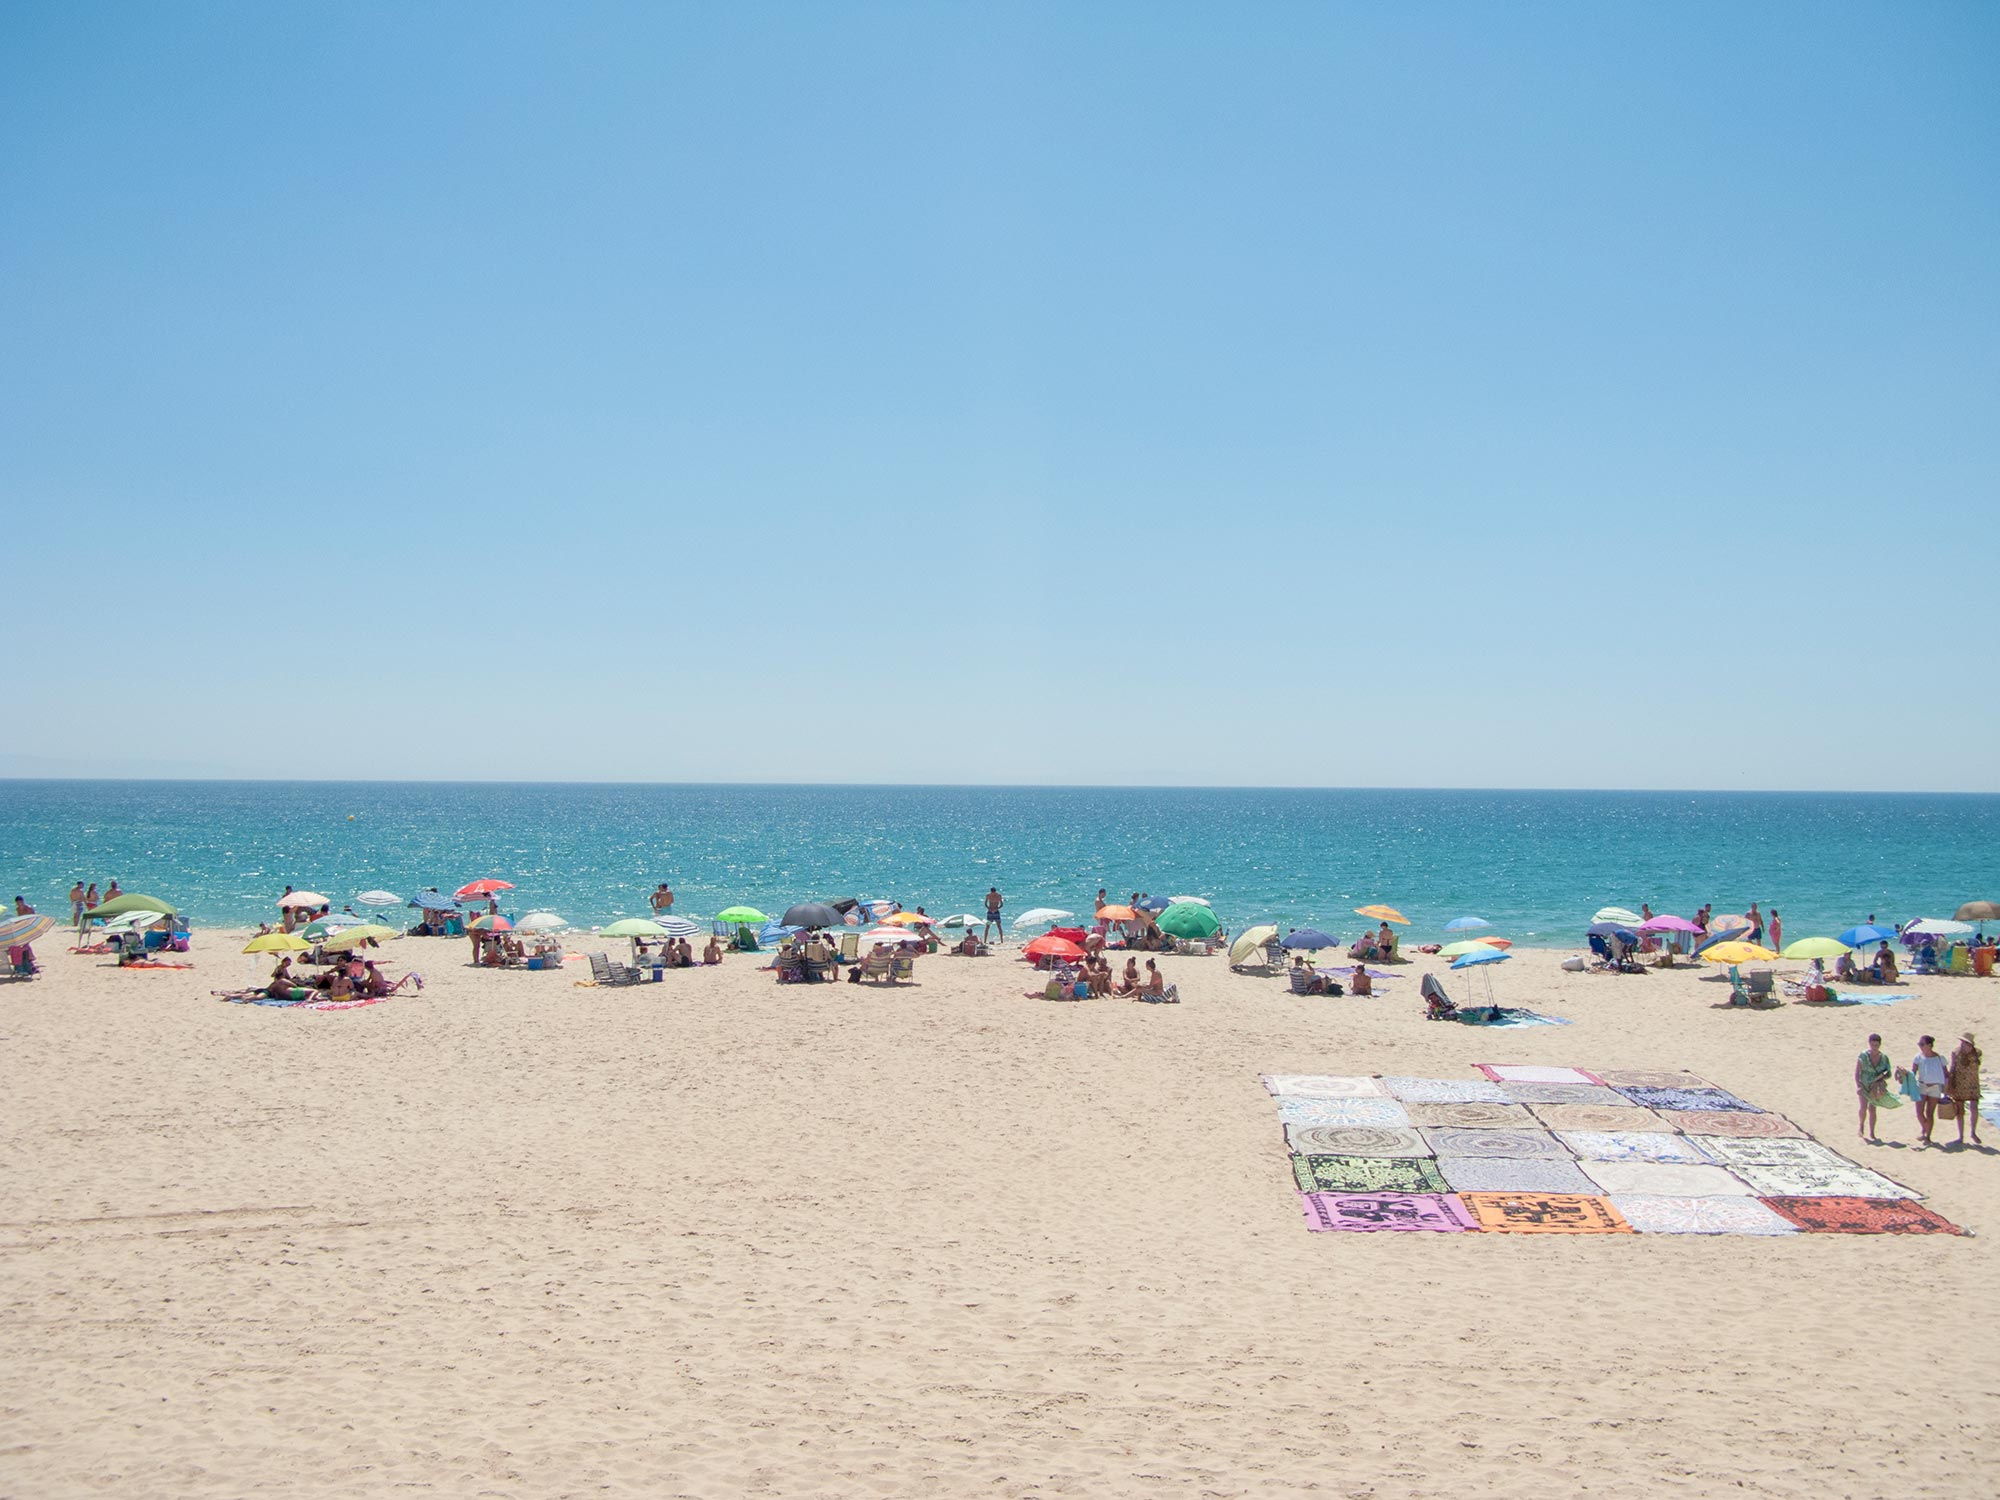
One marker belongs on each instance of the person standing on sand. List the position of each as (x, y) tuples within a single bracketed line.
[(1962, 1084), (76, 904), (994, 901), (662, 900), (1871, 1081), (1932, 1074), (21, 907), (111, 891), (90, 902), (1756, 923), (1777, 930)]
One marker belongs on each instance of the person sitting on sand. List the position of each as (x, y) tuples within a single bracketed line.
[(1884, 965), (1130, 983), (282, 983), (712, 954), (1360, 983), (1156, 988)]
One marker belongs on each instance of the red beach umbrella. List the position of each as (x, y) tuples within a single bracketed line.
[(481, 888), (1053, 947)]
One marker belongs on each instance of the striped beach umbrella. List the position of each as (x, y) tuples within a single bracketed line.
[(26, 929)]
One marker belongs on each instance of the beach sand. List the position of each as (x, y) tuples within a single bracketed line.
[(716, 1237)]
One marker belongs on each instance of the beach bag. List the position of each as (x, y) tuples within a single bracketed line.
[(1947, 1108), (1574, 965)]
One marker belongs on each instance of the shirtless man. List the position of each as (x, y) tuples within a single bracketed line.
[(662, 900), (994, 901)]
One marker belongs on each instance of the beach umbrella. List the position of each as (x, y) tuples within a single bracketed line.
[(1382, 914), (679, 927), (907, 919), (137, 919), (1115, 912), (1195, 923), (1465, 924), (1251, 941), (354, 937), (1496, 942), (740, 916), (121, 905), (962, 919), (1469, 945), (1814, 947), (1937, 927), (879, 936), (276, 942), (331, 923), (1618, 914), (1309, 938), (378, 898), (25, 929), (1154, 903), (543, 921), (1734, 953), (481, 888), (1053, 947), (1041, 916), (1612, 929), (1978, 911), (1729, 922), (1668, 924), (303, 898), (1192, 900), (811, 914), (1866, 933), (626, 927), (489, 923), (774, 932), (1481, 954), (432, 901)]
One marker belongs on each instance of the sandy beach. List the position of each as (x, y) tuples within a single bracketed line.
[(716, 1237)]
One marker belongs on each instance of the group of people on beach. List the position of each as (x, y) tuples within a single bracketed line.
[(1091, 977), (352, 978), (1940, 1087)]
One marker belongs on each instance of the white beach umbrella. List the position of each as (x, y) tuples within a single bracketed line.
[(1617, 914), (679, 927), (1040, 916), (378, 898), (962, 919), (541, 921), (304, 898), (1195, 900), (1938, 927)]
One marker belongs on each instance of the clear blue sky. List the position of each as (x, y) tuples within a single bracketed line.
[(1305, 394)]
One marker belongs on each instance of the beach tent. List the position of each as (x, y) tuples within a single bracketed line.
[(125, 905)]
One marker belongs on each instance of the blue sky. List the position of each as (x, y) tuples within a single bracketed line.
[(1357, 395)]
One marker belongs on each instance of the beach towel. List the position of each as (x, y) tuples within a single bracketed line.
[(147, 964), (1366, 1212), (1527, 1073), (354, 1003), (1631, 1145), (1834, 1215), (1781, 1151), (1543, 1213), (1653, 1214), (1341, 1112), (1476, 1115), (1509, 1174), (1701, 1099), (1366, 1174), (1563, 1093), (1451, 1140), (1320, 1086), (1864, 997), (1511, 1015), (1729, 1122), (1665, 1179), (1445, 1090), (1627, 1117), (1800, 1180), (1355, 1140), (1653, 1078)]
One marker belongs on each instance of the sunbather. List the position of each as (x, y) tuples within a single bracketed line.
[(712, 954), (376, 984), (1130, 983), (1359, 983), (1884, 965)]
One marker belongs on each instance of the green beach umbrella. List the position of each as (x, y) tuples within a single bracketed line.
[(633, 927), (1815, 947), (354, 937), (741, 915), (123, 905), (1456, 950), (1184, 919)]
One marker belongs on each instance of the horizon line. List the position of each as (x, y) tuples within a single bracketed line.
[(983, 786)]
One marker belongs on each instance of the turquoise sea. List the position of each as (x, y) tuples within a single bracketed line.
[(1535, 864)]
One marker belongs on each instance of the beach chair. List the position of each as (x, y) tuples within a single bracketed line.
[(901, 969), (878, 964), (1302, 980), (1437, 1004), (850, 947), (604, 971), (1758, 987), (791, 968)]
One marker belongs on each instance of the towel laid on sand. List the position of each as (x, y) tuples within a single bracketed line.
[(1657, 1214), (1632, 1145), (1831, 1215), (1543, 1213), (1367, 1212)]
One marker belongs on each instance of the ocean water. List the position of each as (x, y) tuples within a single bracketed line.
[(1535, 864)]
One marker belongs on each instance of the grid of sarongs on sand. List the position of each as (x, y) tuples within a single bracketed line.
[(1533, 1149)]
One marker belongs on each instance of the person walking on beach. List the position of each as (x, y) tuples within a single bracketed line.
[(76, 904), (1932, 1074), (994, 901), (1756, 923), (662, 900), (1871, 1081), (1777, 931), (1962, 1085)]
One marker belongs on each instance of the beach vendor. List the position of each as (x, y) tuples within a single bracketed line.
[(1871, 1082)]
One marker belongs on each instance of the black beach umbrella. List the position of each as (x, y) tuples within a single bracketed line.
[(811, 914)]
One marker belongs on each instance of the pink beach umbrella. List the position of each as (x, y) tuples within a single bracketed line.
[(1668, 924)]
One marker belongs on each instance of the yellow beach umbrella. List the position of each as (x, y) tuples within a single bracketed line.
[(1252, 940), (1382, 914), (908, 919), (276, 942), (1733, 953), (1815, 947), (1471, 945), (354, 937)]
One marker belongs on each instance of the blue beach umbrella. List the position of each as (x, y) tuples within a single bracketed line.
[(1474, 960), (1466, 924), (1866, 933), (432, 901), (1308, 937), (1154, 903)]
